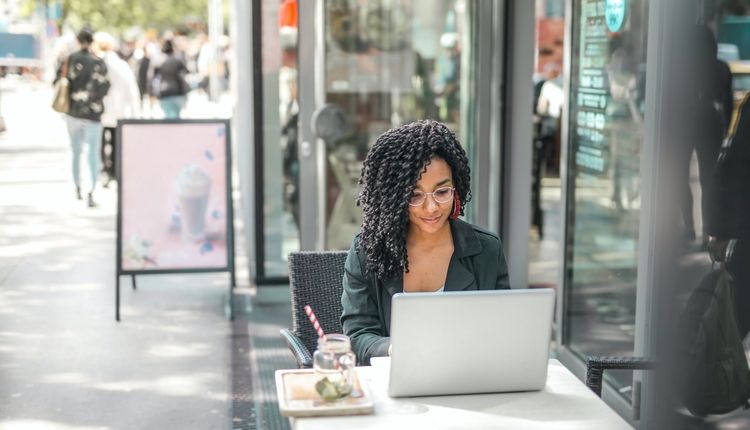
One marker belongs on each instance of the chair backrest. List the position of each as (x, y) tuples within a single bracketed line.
[(316, 279)]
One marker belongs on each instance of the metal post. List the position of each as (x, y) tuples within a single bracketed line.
[(312, 153), (232, 285), (2, 121), (117, 297), (230, 305)]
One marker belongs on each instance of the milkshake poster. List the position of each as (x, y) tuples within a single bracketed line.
[(174, 196)]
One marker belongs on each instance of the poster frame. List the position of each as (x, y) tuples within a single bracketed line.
[(229, 211)]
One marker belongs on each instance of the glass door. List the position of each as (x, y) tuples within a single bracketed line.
[(276, 120), (603, 205), (365, 67)]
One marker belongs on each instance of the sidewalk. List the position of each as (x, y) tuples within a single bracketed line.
[(174, 361)]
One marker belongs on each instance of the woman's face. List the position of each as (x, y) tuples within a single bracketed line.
[(431, 216)]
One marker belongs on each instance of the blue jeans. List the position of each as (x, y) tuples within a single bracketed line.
[(84, 131), (172, 106)]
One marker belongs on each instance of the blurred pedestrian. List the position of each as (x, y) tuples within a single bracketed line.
[(122, 100), (89, 84), (729, 223), (448, 78), (708, 108), (143, 62), (203, 61), (169, 83), (146, 56)]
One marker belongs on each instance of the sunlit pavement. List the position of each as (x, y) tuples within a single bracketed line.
[(64, 361)]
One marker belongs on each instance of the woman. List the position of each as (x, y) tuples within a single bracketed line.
[(122, 99), (415, 184), (169, 82), (89, 83)]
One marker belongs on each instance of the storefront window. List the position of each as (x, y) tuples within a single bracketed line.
[(549, 99), (607, 89), (388, 64), (280, 108)]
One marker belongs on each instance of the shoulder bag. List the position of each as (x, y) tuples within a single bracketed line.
[(61, 99)]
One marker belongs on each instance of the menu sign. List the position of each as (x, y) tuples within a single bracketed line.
[(174, 196), (591, 94)]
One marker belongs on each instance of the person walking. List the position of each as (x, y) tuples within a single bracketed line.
[(729, 223), (708, 111), (170, 84), (87, 75), (122, 99)]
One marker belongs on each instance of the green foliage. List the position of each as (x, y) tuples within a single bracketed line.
[(119, 15), (27, 9)]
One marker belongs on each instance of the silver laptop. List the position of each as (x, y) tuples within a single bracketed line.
[(470, 341)]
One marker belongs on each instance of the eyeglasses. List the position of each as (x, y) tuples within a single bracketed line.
[(441, 195)]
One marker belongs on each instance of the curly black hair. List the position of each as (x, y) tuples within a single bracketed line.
[(390, 173)]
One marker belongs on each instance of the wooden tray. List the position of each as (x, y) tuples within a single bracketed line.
[(295, 389)]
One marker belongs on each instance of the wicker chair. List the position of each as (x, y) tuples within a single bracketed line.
[(315, 279), (595, 367)]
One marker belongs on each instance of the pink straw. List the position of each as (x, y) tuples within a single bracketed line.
[(314, 321), (318, 328)]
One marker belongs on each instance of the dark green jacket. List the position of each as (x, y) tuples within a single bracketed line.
[(478, 263)]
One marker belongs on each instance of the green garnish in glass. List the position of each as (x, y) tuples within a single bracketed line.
[(330, 391)]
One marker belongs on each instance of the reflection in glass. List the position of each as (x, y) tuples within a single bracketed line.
[(387, 64), (606, 105), (280, 114), (546, 234), (712, 150)]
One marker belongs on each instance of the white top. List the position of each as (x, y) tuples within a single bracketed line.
[(564, 403), (123, 100), (440, 290), (551, 98)]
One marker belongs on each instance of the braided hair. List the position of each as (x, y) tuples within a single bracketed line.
[(390, 173)]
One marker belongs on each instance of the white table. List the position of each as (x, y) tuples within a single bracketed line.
[(565, 403)]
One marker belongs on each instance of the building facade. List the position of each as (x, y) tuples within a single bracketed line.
[(584, 157)]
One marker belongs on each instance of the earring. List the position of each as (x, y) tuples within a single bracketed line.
[(456, 206)]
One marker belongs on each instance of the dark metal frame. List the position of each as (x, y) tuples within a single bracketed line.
[(229, 211), (595, 367), (570, 358), (260, 240), (257, 53)]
